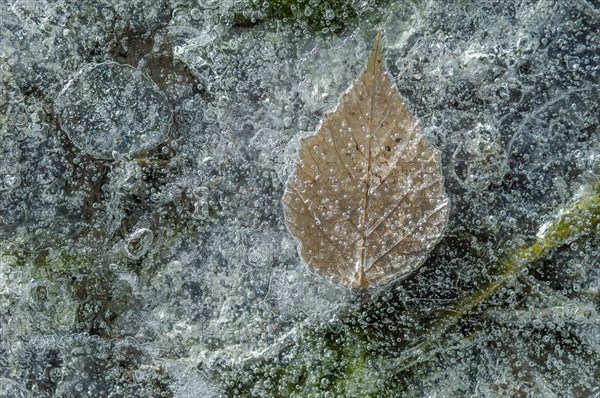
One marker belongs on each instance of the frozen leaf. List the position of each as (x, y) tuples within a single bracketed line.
[(367, 200)]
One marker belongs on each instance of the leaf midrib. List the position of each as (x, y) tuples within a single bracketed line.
[(370, 72)]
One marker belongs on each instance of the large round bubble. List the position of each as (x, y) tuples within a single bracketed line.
[(109, 107)]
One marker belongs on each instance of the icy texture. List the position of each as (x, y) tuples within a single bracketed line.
[(169, 271)]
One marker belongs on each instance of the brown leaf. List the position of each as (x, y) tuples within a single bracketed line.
[(367, 200)]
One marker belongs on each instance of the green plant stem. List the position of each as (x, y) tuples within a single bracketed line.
[(580, 219)]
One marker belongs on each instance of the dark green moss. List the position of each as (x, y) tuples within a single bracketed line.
[(314, 15), (343, 367), (12, 258)]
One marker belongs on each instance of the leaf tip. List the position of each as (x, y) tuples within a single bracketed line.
[(377, 51)]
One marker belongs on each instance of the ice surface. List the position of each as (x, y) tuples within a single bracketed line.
[(161, 266)]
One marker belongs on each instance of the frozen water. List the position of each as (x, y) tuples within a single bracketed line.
[(144, 149)]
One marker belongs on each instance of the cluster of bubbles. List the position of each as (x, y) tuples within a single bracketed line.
[(144, 150)]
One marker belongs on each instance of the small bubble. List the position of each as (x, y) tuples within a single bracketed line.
[(10, 182), (573, 63), (201, 205), (138, 243), (196, 13)]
